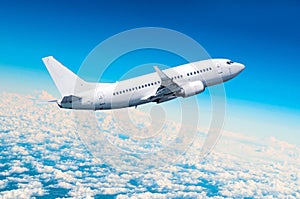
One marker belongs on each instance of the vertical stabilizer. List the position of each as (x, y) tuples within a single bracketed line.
[(65, 80)]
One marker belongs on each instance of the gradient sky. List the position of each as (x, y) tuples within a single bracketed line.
[(263, 35), (41, 155)]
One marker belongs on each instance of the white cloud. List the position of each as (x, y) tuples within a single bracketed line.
[(3, 184), (42, 152), (33, 188), (44, 95), (17, 169), (65, 185)]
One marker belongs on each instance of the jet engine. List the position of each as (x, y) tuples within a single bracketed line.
[(191, 88)]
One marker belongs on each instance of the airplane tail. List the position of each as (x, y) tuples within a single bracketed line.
[(65, 80)]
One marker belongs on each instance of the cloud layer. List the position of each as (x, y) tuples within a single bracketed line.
[(41, 155)]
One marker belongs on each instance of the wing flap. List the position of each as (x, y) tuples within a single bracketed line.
[(167, 82), (167, 91)]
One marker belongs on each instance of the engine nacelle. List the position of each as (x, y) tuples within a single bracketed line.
[(192, 88)]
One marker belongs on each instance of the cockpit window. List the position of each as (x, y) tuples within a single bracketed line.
[(229, 62)]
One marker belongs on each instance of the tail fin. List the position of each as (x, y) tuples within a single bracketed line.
[(65, 80)]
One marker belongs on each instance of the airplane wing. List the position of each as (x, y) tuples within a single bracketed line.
[(168, 89)]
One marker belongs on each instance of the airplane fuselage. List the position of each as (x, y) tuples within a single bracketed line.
[(181, 81)]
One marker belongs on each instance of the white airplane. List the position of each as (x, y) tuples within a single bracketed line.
[(160, 86)]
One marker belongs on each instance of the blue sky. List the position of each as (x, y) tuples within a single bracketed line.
[(264, 35), (263, 101)]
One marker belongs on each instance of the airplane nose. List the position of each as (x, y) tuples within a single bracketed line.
[(240, 67)]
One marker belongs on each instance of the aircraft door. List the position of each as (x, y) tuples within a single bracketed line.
[(219, 68), (101, 98)]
